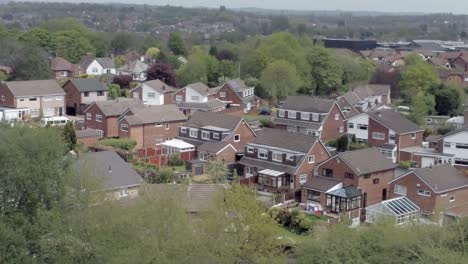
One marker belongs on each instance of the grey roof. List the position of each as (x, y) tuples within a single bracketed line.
[(238, 85), (89, 85), (160, 86), (346, 192), (110, 168), (210, 105), (298, 123), (212, 146), (155, 114), (352, 97), (368, 90), (395, 121), (200, 87), (367, 160), (35, 88), (116, 108), (388, 146), (89, 132), (106, 62), (60, 64), (441, 178), (195, 197), (456, 131), (135, 66), (201, 119), (322, 184), (307, 104), (264, 164), (284, 139)]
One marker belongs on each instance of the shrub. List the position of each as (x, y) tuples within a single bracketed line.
[(174, 160), (119, 143), (406, 164), (267, 123)]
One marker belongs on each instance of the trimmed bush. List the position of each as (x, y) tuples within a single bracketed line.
[(119, 143), (406, 164)]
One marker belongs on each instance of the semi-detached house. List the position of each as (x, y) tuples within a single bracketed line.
[(154, 92), (198, 97), (34, 98), (82, 92)]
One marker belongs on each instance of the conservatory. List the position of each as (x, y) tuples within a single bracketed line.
[(401, 209)]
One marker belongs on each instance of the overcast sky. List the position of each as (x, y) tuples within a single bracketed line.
[(428, 6)]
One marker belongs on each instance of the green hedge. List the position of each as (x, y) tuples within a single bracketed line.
[(120, 143)]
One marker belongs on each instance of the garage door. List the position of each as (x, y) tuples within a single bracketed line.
[(426, 162)]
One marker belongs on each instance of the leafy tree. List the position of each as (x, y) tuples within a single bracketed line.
[(355, 70), (326, 72), (200, 67), (165, 175), (418, 78), (225, 54), (217, 171), (69, 136), (114, 91), (448, 99), (163, 72), (280, 79), (122, 80), (38, 37), (152, 53), (176, 44), (71, 45), (119, 61), (421, 106), (213, 51), (227, 69), (342, 143), (121, 42)]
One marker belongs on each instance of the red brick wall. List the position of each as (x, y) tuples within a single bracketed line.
[(339, 169), (230, 95), (411, 181), (404, 141), (168, 99), (246, 136), (331, 126), (139, 91), (321, 155), (375, 126), (112, 126), (146, 135), (9, 97), (88, 141), (94, 109), (228, 155), (375, 191), (73, 96), (180, 92)]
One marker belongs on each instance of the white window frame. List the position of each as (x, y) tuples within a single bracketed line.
[(204, 133), (178, 98), (413, 135), (222, 94), (360, 126), (351, 125), (183, 130), (195, 98), (305, 116), (48, 99), (400, 189), (281, 113), (151, 95), (374, 136), (422, 192), (158, 124), (337, 117), (215, 135), (292, 114), (32, 99), (290, 157), (250, 149), (275, 158), (302, 178), (193, 133), (124, 127), (262, 152), (311, 159), (315, 117), (447, 144), (3, 98), (341, 129), (58, 98), (123, 193), (239, 137), (452, 199), (98, 118), (89, 116)]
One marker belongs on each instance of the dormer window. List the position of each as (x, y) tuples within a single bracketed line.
[(305, 116), (315, 117), (205, 135), (292, 114), (250, 149), (280, 113), (290, 157), (263, 154)]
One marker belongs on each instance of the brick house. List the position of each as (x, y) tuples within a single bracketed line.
[(37, 98), (390, 131), (311, 116), (82, 92), (103, 115), (366, 170), (61, 68), (237, 95), (461, 63), (217, 151), (455, 144), (87, 137), (198, 97), (280, 161), (435, 190), (149, 126), (154, 92), (216, 127)]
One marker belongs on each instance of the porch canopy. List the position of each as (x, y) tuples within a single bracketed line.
[(401, 209), (273, 179), (273, 173), (176, 145)]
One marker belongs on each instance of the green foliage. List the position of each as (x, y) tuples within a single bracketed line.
[(121, 42), (175, 161), (114, 91), (342, 143), (126, 93), (201, 67), (176, 44), (69, 136), (449, 99), (405, 164), (326, 72), (71, 45), (217, 171), (294, 220), (355, 70), (280, 79), (421, 106), (152, 53), (165, 175), (3, 76), (417, 79), (267, 123), (119, 143), (119, 61)]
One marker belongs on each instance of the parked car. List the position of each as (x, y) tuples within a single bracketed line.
[(264, 111)]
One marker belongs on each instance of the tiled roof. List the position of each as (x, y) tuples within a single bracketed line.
[(106, 62), (86, 133), (108, 167), (135, 66), (456, 131), (442, 178), (155, 114), (35, 88), (263, 164), (321, 184), (395, 121), (284, 139), (210, 105), (60, 64), (294, 122), (238, 85), (367, 160), (308, 104), (212, 146), (89, 85), (160, 86), (201, 119), (116, 108), (200, 88), (368, 90)]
